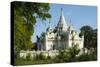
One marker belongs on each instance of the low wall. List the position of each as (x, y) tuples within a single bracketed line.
[(51, 53)]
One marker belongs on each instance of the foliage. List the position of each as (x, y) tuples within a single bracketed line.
[(63, 56), (16, 53), (81, 34), (90, 36), (48, 57), (34, 46), (92, 56), (25, 15), (28, 57), (74, 50), (40, 56), (68, 55)]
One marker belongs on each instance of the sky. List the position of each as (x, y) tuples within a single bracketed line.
[(79, 16)]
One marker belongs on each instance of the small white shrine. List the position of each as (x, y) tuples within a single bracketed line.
[(60, 37)]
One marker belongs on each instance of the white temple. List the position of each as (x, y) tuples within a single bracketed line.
[(61, 37)]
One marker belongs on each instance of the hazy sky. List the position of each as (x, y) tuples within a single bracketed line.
[(79, 16)]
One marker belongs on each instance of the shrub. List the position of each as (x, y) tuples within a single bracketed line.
[(74, 50), (28, 57), (83, 57), (88, 56), (63, 56), (48, 57), (40, 56), (16, 52)]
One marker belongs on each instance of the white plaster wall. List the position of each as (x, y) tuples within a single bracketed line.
[(77, 40), (69, 40), (46, 44), (50, 45), (82, 42), (50, 37)]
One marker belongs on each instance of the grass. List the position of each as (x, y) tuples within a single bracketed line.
[(32, 62)]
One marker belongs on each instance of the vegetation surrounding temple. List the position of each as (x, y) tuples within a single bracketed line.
[(25, 16)]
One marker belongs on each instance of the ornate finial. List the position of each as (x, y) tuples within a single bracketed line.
[(61, 11), (49, 22)]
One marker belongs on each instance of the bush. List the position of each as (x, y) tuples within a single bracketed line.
[(63, 56), (74, 50), (83, 57), (28, 57), (40, 56), (93, 55), (68, 55), (48, 57), (16, 52), (88, 57)]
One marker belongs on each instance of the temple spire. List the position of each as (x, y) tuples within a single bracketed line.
[(62, 19), (62, 23), (61, 11)]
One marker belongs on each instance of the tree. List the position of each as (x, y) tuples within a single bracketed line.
[(90, 36), (25, 15), (94, 38)]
